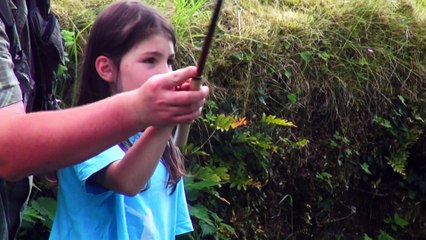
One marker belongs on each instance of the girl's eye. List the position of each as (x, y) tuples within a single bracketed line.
[(149, 60), (171, 62)]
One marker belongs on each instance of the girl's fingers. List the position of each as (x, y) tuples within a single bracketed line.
[(186, 98)]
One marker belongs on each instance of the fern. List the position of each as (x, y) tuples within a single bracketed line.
[(405, 126), (31, 215), (398, 161), (223, 122), (276, 121), (41, 209)]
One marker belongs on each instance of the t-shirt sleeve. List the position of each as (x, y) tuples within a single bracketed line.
[(91, 166)]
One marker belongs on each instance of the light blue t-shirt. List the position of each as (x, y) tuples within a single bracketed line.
[(88, 211)]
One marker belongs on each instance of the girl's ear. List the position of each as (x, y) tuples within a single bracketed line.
[(105, 68)]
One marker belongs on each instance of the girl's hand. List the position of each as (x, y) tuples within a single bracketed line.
[(186, 86)]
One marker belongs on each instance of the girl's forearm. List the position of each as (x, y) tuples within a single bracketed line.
[(130, 174)]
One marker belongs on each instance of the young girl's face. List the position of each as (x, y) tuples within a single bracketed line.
[(152, 56)]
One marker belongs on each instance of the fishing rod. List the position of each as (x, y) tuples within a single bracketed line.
[(182, 131)]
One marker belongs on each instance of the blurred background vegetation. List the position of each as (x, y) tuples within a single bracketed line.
[(315, 126)]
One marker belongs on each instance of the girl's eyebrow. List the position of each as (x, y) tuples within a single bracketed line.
[(156, 53), (152, 53)]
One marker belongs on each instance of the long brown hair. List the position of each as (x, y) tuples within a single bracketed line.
[(116, 30)]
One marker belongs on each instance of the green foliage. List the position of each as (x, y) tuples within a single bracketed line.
[(186, 13), (366, 237), (38, 216), (276, 121), (366, 168), (404, 127), (238, 159), (210, 223), (396, 222), (342, 144), (43, 209), (384, 236), (326, 177), (203, 180), (64, 79)]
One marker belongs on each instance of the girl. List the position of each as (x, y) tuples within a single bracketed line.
[(132, 190)]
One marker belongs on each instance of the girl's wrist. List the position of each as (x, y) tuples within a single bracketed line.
[(166, 130)]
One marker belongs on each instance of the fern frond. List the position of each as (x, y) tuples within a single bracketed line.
[(276, 121)]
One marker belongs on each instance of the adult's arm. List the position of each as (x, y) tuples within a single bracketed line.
[(44, 141)]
